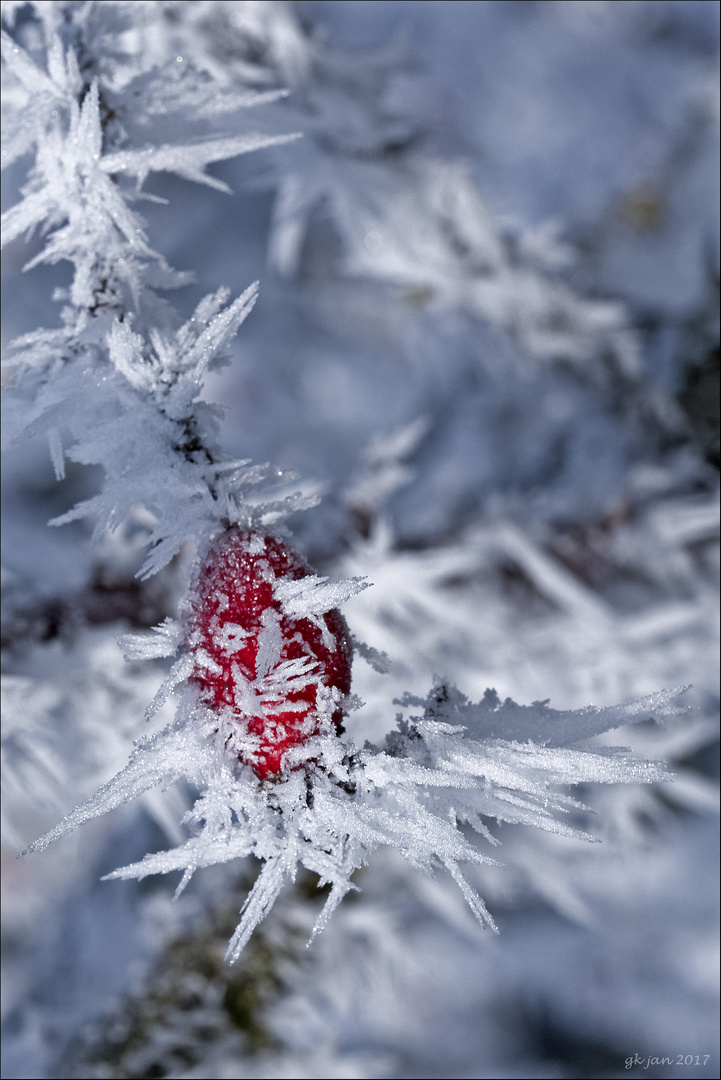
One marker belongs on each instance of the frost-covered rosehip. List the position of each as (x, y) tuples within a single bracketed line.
[(281, 667)]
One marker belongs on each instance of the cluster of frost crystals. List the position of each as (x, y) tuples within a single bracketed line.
[(406, 217), (119, 383), (334, 804)]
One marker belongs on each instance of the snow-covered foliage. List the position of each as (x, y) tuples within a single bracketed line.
[(504, 461)]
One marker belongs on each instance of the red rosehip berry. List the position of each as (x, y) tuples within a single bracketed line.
[(273, 671)]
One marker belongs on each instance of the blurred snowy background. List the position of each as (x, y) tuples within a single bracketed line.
[(488, 331)]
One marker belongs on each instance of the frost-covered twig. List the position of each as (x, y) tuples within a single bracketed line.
[(118, 385)]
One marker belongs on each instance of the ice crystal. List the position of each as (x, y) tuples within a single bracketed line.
[(335, 803)]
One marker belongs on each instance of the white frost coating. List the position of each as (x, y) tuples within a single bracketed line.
[(244, 692), (338, 804), (260, 900), (269, 644), (189, 159), (231, 638), (179, 672), (313, 595), (205, 660), (537, 723), (163, 640)]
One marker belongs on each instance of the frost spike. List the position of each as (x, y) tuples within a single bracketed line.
[(188, 160), (260, 900)]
